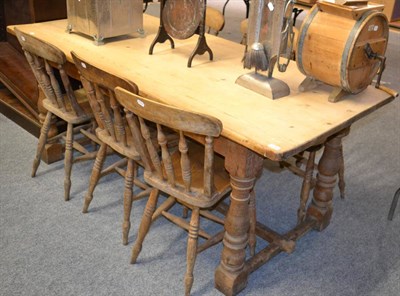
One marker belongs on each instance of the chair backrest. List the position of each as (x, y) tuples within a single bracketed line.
[(99, 86), (42, 57), (215, 21), (184, 122)]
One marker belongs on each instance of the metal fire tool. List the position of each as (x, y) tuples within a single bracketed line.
[(270, 30)]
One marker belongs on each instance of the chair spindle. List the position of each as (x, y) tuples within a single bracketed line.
[(150, 147), (185, 162), (165, 156), (55, 86)]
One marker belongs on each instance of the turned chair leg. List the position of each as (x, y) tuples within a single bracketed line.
[(129, 175), (95, 176), (42, 142), (144, 224), (191, 249), (68, 160)]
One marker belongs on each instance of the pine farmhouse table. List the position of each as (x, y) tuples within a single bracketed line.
[(254, 127)]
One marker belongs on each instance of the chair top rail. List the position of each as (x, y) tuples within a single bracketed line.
[(168, 115)]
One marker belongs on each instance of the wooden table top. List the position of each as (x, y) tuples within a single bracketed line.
[(275, 129)]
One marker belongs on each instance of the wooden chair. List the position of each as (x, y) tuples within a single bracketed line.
[(113, 132), (71, 106), (191, 175), (215, 21)]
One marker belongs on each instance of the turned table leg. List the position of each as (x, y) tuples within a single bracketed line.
[(329, 165), (243, 166)]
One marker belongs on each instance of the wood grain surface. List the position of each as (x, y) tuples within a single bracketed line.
[(275, 129)]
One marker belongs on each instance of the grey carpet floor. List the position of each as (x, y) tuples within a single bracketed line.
[(48, 247)]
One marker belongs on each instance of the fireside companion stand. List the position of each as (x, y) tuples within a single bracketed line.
[(270, 30)]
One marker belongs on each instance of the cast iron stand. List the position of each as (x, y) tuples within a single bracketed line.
[(201, 47)]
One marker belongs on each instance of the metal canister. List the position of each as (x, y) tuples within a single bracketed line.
[(102, 19)]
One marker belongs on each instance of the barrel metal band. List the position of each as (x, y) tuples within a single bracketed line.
[(303, 32)]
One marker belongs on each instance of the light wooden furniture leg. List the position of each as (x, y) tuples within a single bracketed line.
[(42, 141), (145, 224), (68, 160), (94, 177), (191, 249), (126, 225), (243, 166), (321, 208)]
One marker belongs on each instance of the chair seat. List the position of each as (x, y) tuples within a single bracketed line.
[(195, 197), (69, 116), (128, 151)]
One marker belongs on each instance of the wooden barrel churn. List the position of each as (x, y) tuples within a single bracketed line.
[(331, 45)]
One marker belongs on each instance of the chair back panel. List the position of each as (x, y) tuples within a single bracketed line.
[(41, 57), (172, 163), (40, 48), (160, 113), (99, 86)]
